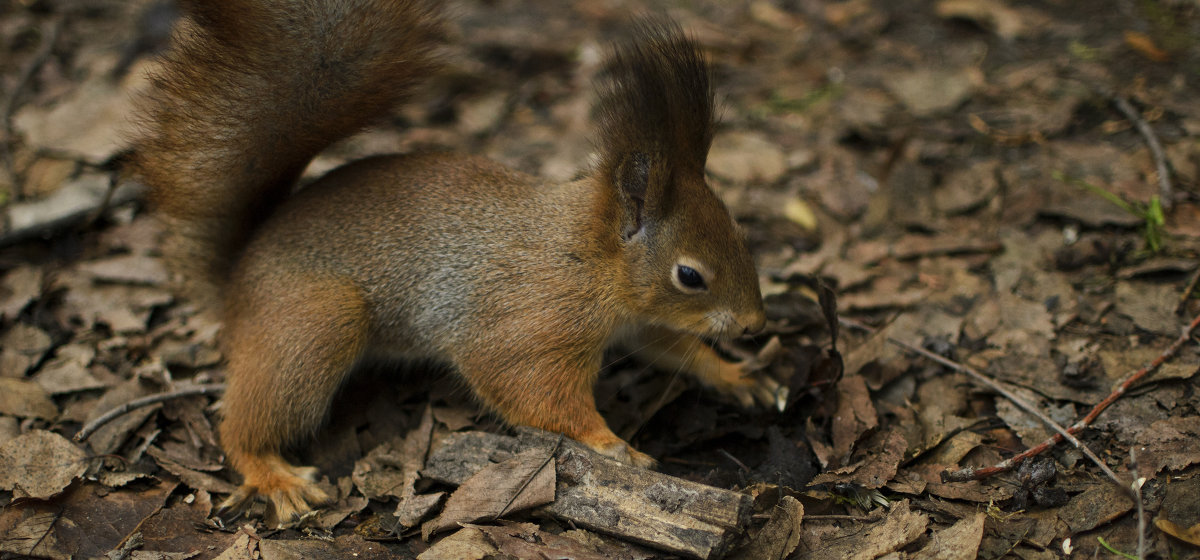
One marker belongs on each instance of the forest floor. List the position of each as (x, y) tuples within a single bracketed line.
[(1012, 186)]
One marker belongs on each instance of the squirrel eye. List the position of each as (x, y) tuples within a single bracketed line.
[(689, 277)]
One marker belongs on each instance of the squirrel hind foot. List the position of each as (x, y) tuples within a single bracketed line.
[(291, 491), (624, 453)]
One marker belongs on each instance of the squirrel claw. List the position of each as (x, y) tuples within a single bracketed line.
[(625, 453), (745, 382), (293, 496)]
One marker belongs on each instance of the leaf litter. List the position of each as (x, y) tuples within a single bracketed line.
[(927, 162)]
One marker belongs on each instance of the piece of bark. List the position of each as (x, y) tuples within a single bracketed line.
[(668, 513), (604, 495), (460, 455)]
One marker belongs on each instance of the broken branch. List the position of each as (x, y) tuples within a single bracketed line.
[(91, 427), (1008, 464), (987, 382)]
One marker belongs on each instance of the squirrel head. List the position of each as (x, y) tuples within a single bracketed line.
[(687, 265)]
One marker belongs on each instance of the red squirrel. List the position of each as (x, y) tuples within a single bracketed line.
[(518, 283)]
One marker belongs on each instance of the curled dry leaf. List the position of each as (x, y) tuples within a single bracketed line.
[(780, 536)]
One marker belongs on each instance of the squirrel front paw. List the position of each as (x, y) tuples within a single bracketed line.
[(744, 380)]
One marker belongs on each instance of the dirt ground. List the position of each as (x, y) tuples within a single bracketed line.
[(1013, 186)]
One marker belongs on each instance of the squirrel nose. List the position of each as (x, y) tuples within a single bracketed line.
[(755, 323)]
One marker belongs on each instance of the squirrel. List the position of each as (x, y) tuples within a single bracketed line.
[(517, 283)]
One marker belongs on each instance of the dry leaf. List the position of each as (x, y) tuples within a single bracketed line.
[(959, 542), (25, 399), (992, 14), (743, 157), (467, 543), (1189, 535), (40, 464), (780, 536), (1145, 46), (523, 482)]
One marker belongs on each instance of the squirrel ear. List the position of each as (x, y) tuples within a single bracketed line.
[(641, 185)]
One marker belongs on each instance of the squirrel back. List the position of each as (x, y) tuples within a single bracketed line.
[(233, 119)]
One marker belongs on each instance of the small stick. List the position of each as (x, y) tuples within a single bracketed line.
[(735, 460), (91, 427), (1187, 292), (984, 380), (1156, 151), (1136, 487), (1007, 464)]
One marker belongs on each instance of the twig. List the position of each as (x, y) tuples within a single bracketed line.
[(1187, 292), (984, 380), (91, 427), (1136, 487), (735, 460), (126, 548), (1156, 151), (57, 515), (1007, 464), (839, 517)]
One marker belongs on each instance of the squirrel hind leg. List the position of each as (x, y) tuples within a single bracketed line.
[(552, 394), (282, 380)]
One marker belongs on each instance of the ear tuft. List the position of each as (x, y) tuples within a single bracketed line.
[(655, 105)]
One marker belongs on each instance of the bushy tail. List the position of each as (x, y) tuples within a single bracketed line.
[(249, 93)]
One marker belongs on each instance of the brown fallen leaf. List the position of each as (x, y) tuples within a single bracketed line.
[(855, 415), (468, 543), (959, 542), (344, 546), (25, 399), (744, 157), (525, 481), (67, 371), (244, 547), (40, 464), (901, 527), (32, 536), (1189, 535), (1172, 443), (88, 520), (412, 509), (392, 469), (19, 287), (127, 269), (192, 478), (780, 536), (993, 14), (526, 540), (22, 347), (1145, 46), (1101, 503)]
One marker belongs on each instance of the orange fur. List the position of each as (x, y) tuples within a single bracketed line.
[(518, 284)]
